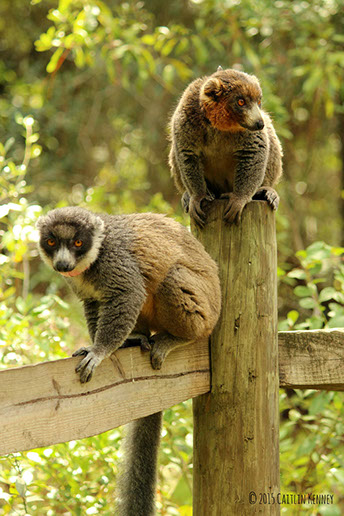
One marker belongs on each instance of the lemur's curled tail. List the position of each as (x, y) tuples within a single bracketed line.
[(137, 478)]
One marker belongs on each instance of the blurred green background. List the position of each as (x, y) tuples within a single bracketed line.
[(87, 88)]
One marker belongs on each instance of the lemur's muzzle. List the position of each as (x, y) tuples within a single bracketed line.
[(259, 124)]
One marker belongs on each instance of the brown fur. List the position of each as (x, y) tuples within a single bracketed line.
[(221, 147), (220, 117), (146, 278), (183, 293), (214, 98)]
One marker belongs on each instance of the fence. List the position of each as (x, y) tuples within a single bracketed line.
[(234, 386)]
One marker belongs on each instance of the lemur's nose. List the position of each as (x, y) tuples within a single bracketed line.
[(259, 124), (62, 266)]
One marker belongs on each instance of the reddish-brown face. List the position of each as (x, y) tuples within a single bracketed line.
[(232, 100)]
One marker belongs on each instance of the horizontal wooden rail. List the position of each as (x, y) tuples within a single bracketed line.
[(45, 404), (312, 359)]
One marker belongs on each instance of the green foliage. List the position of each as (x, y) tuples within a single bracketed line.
[(78, 477), (87, 87), (311, 448), (92, 73), (318, 283), (311, 444)]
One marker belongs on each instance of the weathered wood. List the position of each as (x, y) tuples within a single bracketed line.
[(236, 427), (46, 404), (312, 359)]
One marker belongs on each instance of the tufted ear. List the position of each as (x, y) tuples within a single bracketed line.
[(213, 89), (39, 222), (219, 68), (99, 227)]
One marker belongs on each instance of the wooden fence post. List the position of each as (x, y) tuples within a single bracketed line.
[(236, 426)]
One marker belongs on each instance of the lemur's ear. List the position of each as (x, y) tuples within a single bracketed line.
[(39, 222), (99, 224), (219, 68), (213, 89)]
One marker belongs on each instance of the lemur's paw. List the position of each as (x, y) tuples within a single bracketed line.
[(81, 352), (234, 207), (267, 193), (158, 356), (137, 339), (195, 208), (86, 367)]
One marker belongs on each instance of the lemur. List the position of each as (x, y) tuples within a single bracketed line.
[(224, 145), (142, 276)]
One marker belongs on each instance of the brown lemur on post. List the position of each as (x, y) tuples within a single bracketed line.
[(140, 276), (224, 145)]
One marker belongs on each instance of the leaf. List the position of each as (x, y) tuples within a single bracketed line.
[(20, 305), (337, 251), (302, 291), (315, 323), (51, 66), (79, 58), (21, 487), (326, 294), (293, 316), (297, 273), (9, 144), (319, 403), (149, 60), (280, 272), (307, 446), (168, 73), (284, 325), (336, 322), (312, 83), (318, 251), (307, 302), (168, 47), (338, 474), (148, 39)]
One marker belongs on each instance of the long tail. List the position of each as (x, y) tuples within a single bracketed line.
[(136, 485)]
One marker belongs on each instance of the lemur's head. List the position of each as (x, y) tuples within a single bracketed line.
[(231, 101), (70, 239)]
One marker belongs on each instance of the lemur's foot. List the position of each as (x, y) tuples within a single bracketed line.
[(137, 339), (234, 207), (81, 352), (195, 207), (88, 364), (267, 193), (158, 355)]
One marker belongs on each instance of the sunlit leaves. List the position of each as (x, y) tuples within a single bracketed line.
[(323, 304)]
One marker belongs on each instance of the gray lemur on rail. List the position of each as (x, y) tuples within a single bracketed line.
[(224, 145), (142, 276)]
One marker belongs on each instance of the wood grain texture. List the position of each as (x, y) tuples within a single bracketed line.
[(236, 427), (312, 359), (46, 404)]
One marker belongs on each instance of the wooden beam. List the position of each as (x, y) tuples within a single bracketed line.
[(45, 404), (236, 426), (312, 359)]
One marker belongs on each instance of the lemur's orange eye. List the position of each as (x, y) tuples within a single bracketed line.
[(51, 242), (241, 102), (78, 243), (259, 103)]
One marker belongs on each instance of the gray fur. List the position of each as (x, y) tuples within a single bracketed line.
[(217, 148), (143, 276), (137, 479)]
